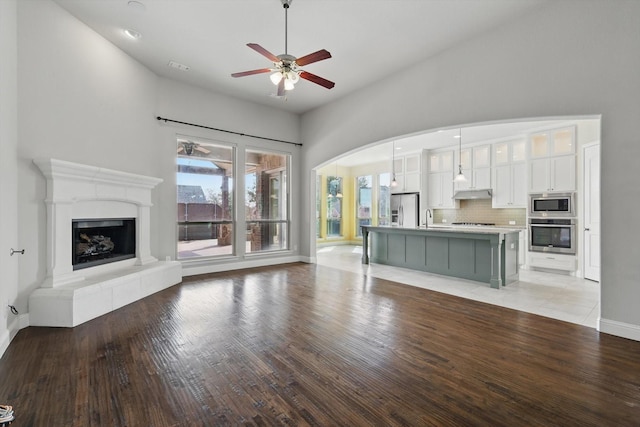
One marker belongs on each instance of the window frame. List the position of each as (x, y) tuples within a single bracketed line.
[(285, 224)]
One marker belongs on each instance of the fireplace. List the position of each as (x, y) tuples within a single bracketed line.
[(101, 241), (98, 230)]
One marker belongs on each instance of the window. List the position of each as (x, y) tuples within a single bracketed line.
[(363, 200), (266, 201), (384, 199), (334, 206), (205, 199)]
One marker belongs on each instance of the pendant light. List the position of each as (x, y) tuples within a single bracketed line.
[(394, 183), (460, 177)]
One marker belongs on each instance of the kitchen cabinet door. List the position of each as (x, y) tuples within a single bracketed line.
[(407, 173), (412, 183), (551, 143), (476, 167), (502, 189), (539, 175), (481, 178), (440, 187), (553, 174), (482, 156), (510, 186), (563, 173), (519, 185)]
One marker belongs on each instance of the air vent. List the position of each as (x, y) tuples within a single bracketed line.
[(178, 66)]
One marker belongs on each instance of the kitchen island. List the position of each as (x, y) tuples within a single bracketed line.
[(484, 254)]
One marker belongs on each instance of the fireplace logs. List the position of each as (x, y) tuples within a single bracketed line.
[(94, 245), (102, 240)]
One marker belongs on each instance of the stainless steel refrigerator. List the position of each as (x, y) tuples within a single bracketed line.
[(404, 210)]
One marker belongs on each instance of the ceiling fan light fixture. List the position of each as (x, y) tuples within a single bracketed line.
[(293, 76), (288, 66), (276, 77), (288, 84)]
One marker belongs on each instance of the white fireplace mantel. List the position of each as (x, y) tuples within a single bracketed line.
[(76, 191)]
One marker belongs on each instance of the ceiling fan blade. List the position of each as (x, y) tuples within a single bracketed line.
[(281, 88), (313, 57), (264, 52), (317, 80), (202, 149), (251, 72), (180, 149)]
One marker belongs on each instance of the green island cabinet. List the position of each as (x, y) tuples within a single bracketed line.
[(488, 255)]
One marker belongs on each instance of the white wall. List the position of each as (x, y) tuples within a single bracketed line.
[(83, 100), (569, 58), (8, 170), (79, 99)]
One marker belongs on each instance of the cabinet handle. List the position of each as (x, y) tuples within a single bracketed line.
[(587, 229)]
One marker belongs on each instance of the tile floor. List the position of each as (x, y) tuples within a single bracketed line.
[(561, 297)]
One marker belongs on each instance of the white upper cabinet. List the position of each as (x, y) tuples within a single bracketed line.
[(476, 167), (407, 173), (505, 153), (440, 187), (553, 160), (441, 162), (440, 180), (510, 174), (557, 142)]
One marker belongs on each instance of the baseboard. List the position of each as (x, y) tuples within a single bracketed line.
[(23, 321), (193, 269), (5, 340), (8, 335), (620, 329)]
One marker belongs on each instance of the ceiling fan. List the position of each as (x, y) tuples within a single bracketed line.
[(286, 69), (188, 147)]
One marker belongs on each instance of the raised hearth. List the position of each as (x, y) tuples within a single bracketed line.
[(69, 296)]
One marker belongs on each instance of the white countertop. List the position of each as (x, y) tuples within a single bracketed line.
[(470, 229), (477, 229)]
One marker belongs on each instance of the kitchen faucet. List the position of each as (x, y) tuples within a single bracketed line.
[(427, 217)]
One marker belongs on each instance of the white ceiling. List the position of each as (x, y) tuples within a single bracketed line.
[(368, 39)]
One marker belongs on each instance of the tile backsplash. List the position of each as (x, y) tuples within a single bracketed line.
[(480, 211)]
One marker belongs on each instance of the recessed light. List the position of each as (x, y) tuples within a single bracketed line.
[(132, 34), (137, 6)]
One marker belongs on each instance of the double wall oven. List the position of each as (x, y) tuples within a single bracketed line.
[(552, 223)]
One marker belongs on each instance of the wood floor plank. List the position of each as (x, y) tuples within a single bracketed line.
[(307, 345)]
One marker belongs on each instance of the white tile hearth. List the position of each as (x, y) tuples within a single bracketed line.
[(75, 303)]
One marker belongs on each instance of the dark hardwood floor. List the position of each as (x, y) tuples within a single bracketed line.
[(310, 345)]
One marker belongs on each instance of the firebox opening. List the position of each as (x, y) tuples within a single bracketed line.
[(101, 241)]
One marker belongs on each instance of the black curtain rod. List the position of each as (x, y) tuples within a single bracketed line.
[(228, 131)]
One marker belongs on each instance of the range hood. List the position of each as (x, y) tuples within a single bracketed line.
[(473, 194)]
